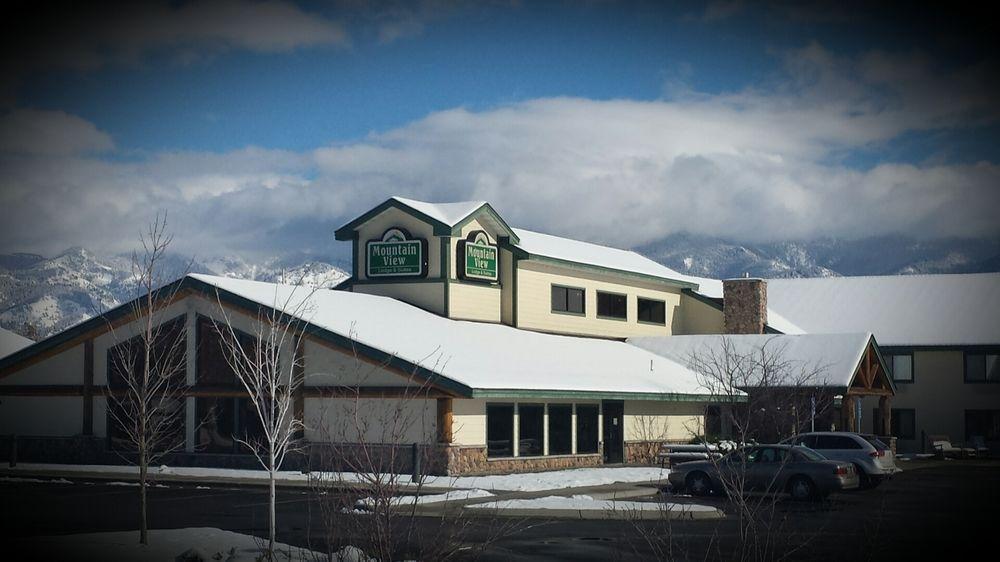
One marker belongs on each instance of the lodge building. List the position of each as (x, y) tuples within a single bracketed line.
[(514, 350)]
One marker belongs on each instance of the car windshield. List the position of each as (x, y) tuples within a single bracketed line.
[(809, 454)]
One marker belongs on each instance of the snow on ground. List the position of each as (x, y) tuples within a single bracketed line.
[(587, 503), (572, 478), (454, 495), (34, 480), (167, 544), (527, 482)]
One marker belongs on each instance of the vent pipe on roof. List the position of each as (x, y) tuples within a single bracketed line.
[(744, 306)]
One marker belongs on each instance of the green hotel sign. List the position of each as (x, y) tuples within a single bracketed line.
[(477, 258), (396, 255)]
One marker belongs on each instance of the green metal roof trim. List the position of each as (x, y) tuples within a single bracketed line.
[(601, 269), (600, 395), (210, 290), (346, 232)]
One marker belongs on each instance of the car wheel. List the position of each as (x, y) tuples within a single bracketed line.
[(864, 481), (802, 488), (698, 484)]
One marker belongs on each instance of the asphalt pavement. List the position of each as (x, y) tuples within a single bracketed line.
[(943, 509)]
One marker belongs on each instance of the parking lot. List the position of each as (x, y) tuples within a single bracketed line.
[(940, 508)]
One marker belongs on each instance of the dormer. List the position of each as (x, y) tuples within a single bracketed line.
[(443, 257)]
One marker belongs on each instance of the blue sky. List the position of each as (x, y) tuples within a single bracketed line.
[(747, 121)]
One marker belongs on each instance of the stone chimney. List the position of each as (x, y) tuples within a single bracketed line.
[(744, 306)]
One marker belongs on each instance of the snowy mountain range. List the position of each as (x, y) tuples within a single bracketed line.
[(41, 296), (721, 259)]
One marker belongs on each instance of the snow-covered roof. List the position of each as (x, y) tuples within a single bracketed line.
[(547, 245), (478, 355), (834, 357), (448, 213), (11, 342), (905, 310)]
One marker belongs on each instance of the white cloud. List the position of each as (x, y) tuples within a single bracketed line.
[(29, 131), (755, 165), (124, 34)]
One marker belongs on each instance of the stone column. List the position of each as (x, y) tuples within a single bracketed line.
[(744, 306)]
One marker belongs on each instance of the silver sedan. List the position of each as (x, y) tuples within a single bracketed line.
[(798, 471)]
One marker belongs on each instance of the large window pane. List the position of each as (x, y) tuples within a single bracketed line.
[(992, 368), (223, 421), (902, 368), (560, 429), (586, 428), (611, 305), (531, 425), (652, 311), (499, 430), (567, 299), (975, 367), (982, 423), (904, 424), (167, 353)]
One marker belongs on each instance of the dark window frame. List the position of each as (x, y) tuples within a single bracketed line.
[(623, 302), (986, 435), (540, 437), (556, 430), (596, 445), (985, 354), (638, 311), (889, 362), (513, 412), (895, 423), (566, 310)]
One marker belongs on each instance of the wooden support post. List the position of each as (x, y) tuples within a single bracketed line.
[(299, 373), (88, 387), (849, 420), (445, 420), (885, 410)]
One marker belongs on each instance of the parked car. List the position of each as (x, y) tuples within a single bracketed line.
[(872, 458), (798, 471)]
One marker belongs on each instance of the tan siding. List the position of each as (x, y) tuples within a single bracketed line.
[(661, 421), (474, 302), (697, 317), (390, 421), (534, 305), (428, 296), (469, 419), (325, 366), (52, 416), (63, 368)]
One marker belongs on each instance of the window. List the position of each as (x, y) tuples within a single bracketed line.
[(586, 428), (168, 354), (222, 421), (611, 305), (982, 423), (835, 443), (982, 367), (530, 423), (900, 367), (499, 430), (567, 299), (212, 366), (560, 429), (654, 312), (904, 424)]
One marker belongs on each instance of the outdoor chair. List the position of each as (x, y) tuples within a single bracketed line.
[(944, 448), (979, 444)]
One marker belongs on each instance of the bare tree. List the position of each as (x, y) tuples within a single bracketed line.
[(148, 366), (764, 393), (374, 444), (268, 368)]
